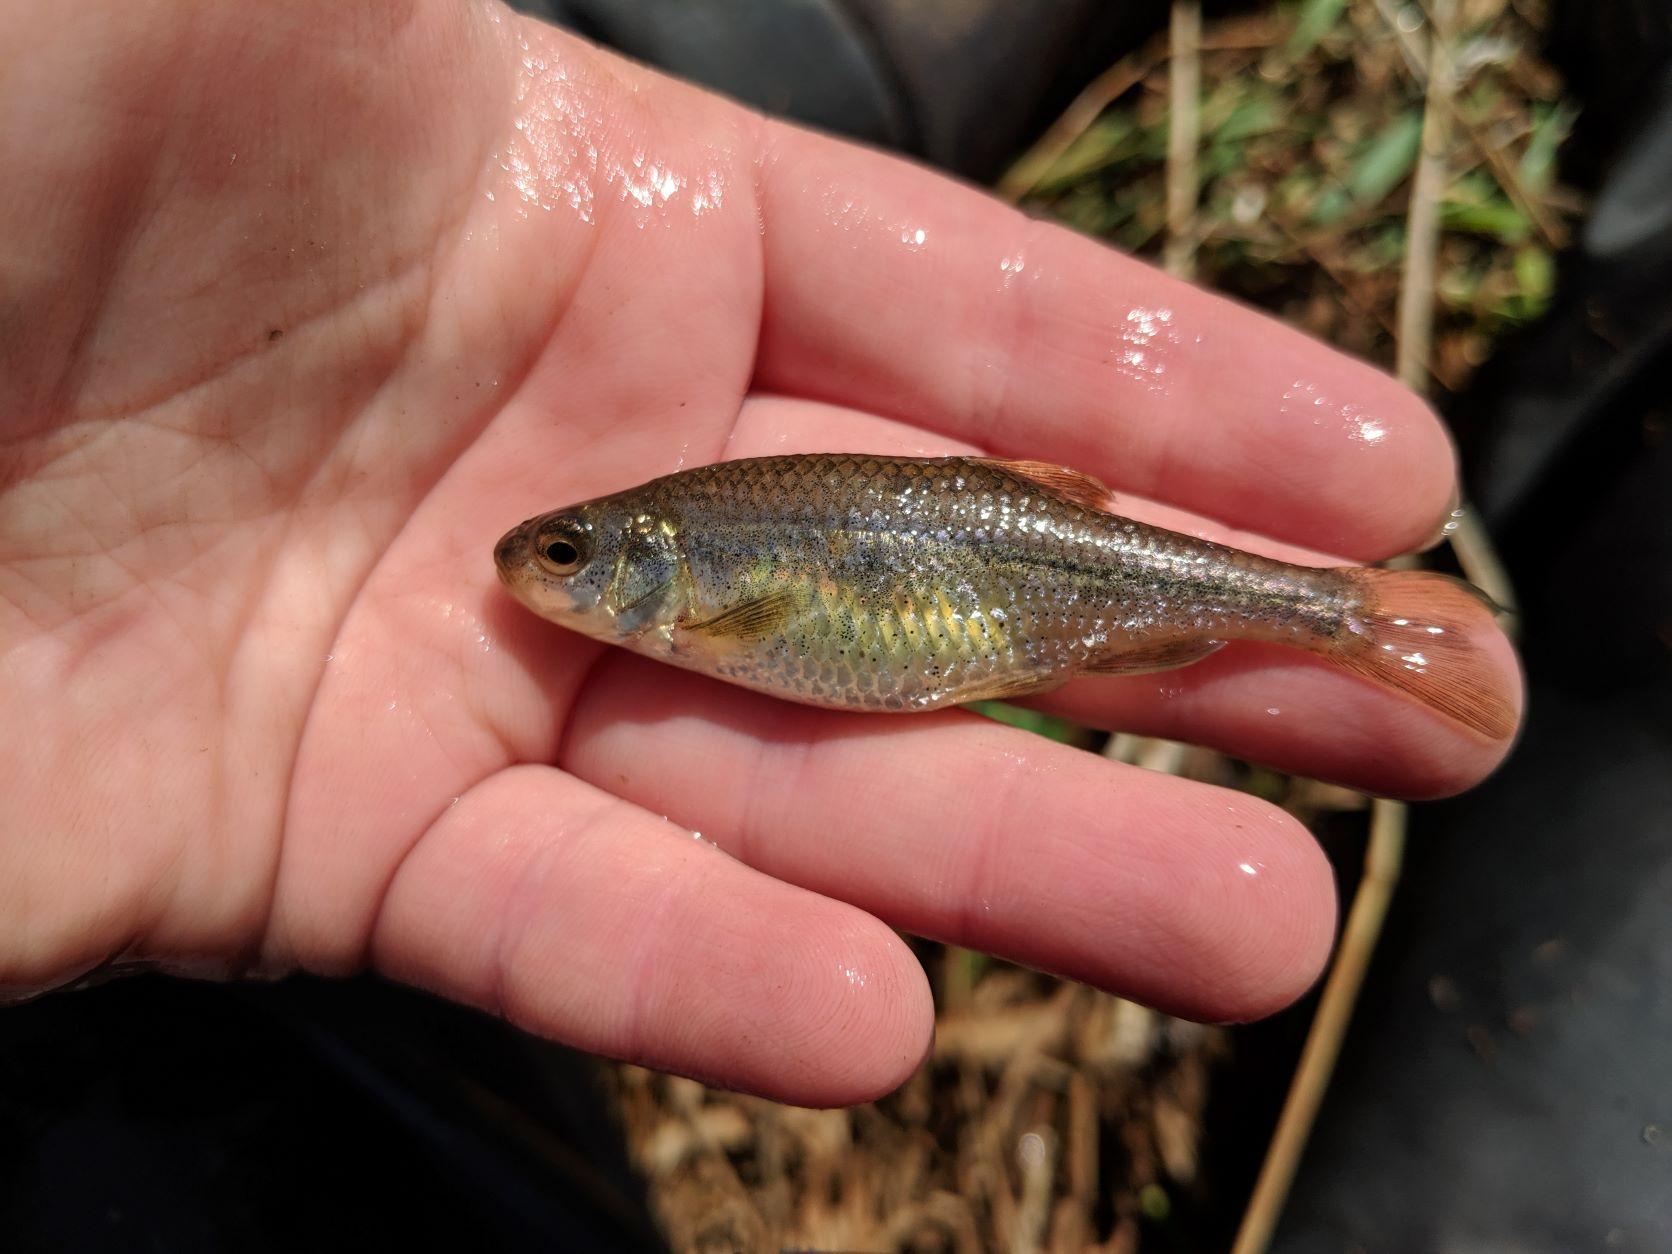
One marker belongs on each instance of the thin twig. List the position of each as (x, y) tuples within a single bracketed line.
[(1469, 541), (1165, 757), (1033, 165), (1318, 254), (1184, 137), (1551, 233), (1550, 230), (1329, 1027), (1411, 46), (1481, 564), (1422, 223)]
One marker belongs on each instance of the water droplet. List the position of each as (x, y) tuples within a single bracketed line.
[(1030, 1150), (1141, 333), (1248, 204)]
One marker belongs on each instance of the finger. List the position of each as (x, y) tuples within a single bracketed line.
[(1275, 706), (893, 290), (589, 921), (1206, 902)]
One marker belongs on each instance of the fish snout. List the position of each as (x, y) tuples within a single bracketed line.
[(511, 552)]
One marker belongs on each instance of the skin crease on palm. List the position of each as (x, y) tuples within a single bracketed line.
[(302, 306)]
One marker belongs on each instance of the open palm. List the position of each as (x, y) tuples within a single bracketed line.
[(302, 306)]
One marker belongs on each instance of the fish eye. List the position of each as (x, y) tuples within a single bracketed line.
[(564, 549)]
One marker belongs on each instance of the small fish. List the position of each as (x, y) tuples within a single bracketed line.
[(893, 583)]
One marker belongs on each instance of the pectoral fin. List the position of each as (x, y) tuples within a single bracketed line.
[(751, 619), (1161, 657), (1070, 485)]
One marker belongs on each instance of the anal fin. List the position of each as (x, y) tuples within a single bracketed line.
[(1159, 657), (751, 619), (1011, 687)]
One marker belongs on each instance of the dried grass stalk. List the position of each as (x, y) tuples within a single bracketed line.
[(1184, 137)]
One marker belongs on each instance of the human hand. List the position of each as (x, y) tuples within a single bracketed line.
[(303, 306)]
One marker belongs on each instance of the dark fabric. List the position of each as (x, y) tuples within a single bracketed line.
[(1508, 1082), (965, 84), (154, 1114)]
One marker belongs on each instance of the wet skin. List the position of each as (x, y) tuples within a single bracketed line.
[(305, 307)]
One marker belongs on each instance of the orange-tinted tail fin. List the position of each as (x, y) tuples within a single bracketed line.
[(1419, 633)]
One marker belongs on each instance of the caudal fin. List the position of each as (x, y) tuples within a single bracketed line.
[(1419, 633)]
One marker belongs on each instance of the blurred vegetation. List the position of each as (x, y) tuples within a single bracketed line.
[(1052, 1116), (1311, 119)]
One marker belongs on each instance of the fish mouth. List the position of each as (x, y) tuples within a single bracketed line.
[(511, 553)]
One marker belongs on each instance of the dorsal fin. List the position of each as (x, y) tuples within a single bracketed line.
[(1070, 485)]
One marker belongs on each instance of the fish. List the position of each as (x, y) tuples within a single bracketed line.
[(905, 584)]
